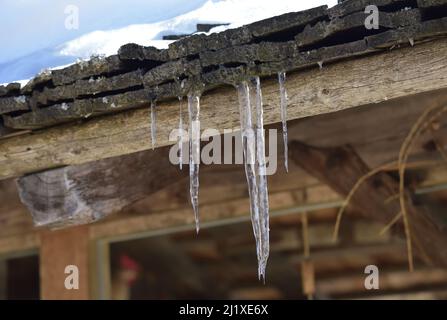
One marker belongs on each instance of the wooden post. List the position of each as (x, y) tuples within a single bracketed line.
[(3, 280), (59, 249)]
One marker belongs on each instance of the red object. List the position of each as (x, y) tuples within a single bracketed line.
[(128, 263)]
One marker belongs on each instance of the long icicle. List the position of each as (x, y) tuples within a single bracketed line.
[(153, 124), (194, 153), (283, 93), (180, 127), (249, 153), (262, 177)]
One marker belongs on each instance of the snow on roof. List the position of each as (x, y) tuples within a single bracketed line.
[(107, 42)]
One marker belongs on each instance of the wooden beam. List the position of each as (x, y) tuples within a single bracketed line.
[(122, 180), (342, 85), (341, 168), (400, 280), (86, 193), (26, 240), (358, 127), (59, 249)]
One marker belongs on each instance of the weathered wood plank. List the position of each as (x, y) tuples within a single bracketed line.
[(322, 43), (338, 86), (11, 104), (84, 194), (79, 109), (431, 3), (232, 37), (134, 52), (347, 7), (90, 87), (96, 66), (323, 30), (19, 243)]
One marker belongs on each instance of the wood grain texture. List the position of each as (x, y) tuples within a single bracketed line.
[(83, 194), (339, 86)]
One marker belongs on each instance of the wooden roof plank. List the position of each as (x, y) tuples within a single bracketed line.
[(347, 84)]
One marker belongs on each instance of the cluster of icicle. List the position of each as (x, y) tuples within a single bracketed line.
[(253, 142), (194, 146)]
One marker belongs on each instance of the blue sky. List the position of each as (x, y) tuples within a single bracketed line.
[(30, 25), (33, 35)]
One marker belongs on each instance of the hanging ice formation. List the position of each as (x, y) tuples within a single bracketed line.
[(194, 153), (283, 93), (253, 142), (180, 124), (153, 124), (180, 128)]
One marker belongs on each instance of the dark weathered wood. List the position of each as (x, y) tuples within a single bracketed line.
[(86, 193), (341, 168), (3, 130), (347, 7), (40, 80), (96, 66), (134, 52), (77, 110), (90, 87), (12, 104), (233, 37), (171, 70), (321, 31), (431, 3), (290, 42), (339, 86)]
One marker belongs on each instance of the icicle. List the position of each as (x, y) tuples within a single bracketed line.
[(249, 145), (194, 153), (180, 127), (411, 40), (320, 64), (253, 142), (262, 179), (153, 124), (283, 92)]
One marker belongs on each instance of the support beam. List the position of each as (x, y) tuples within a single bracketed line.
[(341, 168), (83, 194), (58, 250), (342, 85), (128, 178), (390, 281)]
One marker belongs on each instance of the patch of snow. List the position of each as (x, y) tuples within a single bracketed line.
[(20, 99), (64, 106), (107, 42)]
